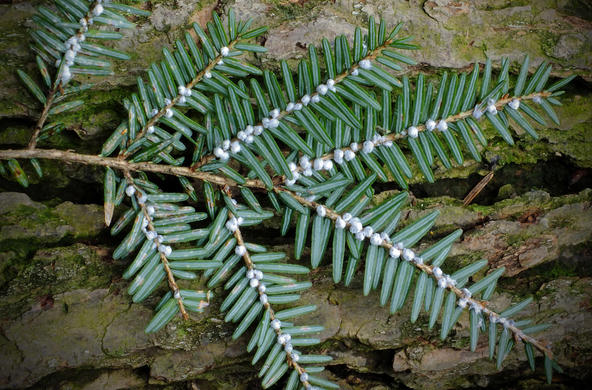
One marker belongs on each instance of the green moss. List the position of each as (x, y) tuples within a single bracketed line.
[(561, 221), (548, 40), (506, 191), (53, 271), (26, 227), (285, 10)]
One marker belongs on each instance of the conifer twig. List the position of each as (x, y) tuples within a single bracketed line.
[(249, 265), (391, 137), (428, 269), (152, 121), (338, 78), (43, 117), (117, 163), (163, 259)]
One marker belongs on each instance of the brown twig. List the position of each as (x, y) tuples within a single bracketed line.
[(478, 188), (117, 163), (43, 117)]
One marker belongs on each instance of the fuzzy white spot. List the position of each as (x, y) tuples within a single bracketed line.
[(231, 225), (240, 250), (321, 211), (98, 10), (492, 109), (437, 272), (408, 254), (413, 132), (276, 324), (368, 147), (150, 235), (235, 147), (338, 156), (477, 113), (514, 104), (318, 164), (376, 239), (442, 125), (168, 250), (365, 64), (354, 229), (218, 152), (395, 252), (304, 162)]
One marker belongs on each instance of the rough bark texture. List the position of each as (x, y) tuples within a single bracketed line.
[(66, 321)]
